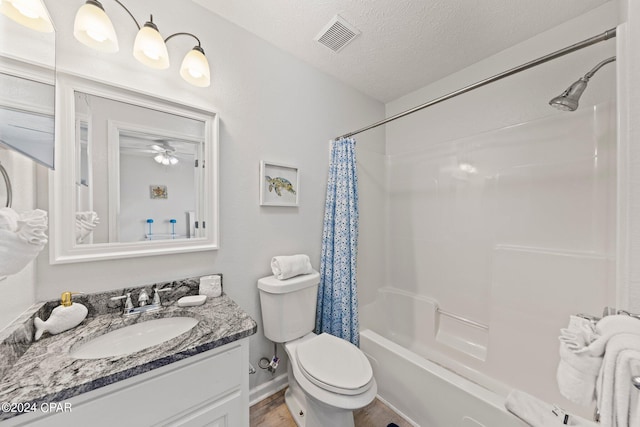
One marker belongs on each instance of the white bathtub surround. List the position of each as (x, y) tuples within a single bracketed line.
[(285, 267), (537, 413), (618, 400)]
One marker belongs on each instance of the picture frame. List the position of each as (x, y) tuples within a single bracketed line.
[(158, 192), (279, 184)]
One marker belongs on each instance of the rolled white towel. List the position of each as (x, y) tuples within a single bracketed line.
[(85, 223), (285, 267), (578, 340), (609, 327), (8, 219), (577, 374), (537, 413), (32, 227)]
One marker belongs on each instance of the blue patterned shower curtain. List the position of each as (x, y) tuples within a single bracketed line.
[(337, 311)]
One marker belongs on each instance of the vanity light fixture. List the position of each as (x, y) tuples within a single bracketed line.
[(30, 13), (93, 28)]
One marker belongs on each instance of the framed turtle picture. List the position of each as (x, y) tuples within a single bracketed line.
[(279, 184)]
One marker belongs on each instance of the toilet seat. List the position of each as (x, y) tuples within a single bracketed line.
[(334, 364)]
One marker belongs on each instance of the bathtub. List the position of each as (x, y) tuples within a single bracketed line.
[(409, 349), (429, 395)]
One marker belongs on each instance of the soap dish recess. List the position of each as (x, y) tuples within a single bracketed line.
[(192, 300)]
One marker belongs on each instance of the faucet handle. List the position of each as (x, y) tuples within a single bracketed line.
[(128, 304), (156, 294), (143, 298)]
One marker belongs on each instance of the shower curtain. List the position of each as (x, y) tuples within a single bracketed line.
[(337, 310)]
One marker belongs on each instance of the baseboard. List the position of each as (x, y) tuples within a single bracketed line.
[(265, 390), (394, 409)]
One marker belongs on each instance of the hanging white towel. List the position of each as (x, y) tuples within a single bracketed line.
[(20, 245), (616, 397), (285, 267), (578, 369), (537, 413), (8, 219), (577, 374)]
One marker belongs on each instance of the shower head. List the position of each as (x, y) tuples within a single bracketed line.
[(569, 99)]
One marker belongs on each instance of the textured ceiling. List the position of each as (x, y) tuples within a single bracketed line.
[(405, 44)]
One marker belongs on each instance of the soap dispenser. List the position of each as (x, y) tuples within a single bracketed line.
[(67, 315)]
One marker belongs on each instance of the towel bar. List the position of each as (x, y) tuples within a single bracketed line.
[(7, 183), (608, 311)]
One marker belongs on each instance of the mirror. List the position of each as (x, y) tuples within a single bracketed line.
[(27, 75), (131, 177)]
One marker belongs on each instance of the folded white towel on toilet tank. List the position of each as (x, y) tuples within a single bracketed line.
[(287, 266)]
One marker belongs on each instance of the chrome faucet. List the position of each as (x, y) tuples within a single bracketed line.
[(143, 298), (143, 307)]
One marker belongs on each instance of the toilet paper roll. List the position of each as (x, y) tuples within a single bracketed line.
[(211, 286)]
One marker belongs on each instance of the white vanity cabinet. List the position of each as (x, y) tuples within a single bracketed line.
[(208, 389)]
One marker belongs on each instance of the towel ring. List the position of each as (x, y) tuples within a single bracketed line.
[(7, 183)]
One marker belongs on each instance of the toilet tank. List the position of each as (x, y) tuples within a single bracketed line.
[(288, 306)]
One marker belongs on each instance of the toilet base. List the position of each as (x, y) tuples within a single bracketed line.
[(309, 412)]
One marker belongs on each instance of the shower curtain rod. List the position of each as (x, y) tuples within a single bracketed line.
[(609, 34)]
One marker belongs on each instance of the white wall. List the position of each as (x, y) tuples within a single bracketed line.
[(272, 107), (530, 237), (138, 172)]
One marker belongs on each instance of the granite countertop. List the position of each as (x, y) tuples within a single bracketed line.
[(43, 371)]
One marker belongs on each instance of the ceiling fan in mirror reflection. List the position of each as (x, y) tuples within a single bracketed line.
[(165, 154)]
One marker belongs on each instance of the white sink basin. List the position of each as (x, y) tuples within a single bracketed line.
[(134, 338)]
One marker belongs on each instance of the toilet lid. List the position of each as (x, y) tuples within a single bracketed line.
[(334, 364)]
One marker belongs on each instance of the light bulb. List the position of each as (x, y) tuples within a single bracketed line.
[(29, 13), (149, 47), (195, 68), (151, 54), (195, 73), (96, 35), (158, 158), (165, 160), (173, 160), (26, 10), (92, 27)]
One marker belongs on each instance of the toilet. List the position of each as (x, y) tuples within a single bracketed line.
[(328, 376)]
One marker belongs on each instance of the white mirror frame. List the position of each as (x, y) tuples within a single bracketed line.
[(63, 247)]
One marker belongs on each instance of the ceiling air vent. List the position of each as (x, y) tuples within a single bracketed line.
[(337, 34)]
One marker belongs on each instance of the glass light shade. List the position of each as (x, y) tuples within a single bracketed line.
[(92, 27), (150, 49), (173, 160), (165, 161), (30, 13), (195, 68), (158, 158)]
